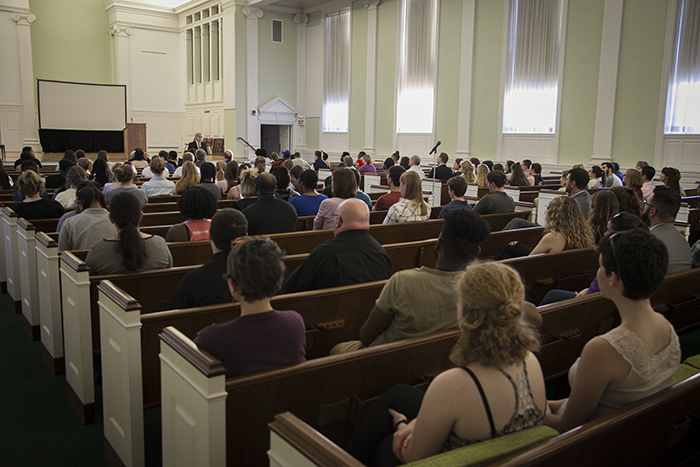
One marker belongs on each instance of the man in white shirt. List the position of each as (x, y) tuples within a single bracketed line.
[(414, 165), (648, 186)]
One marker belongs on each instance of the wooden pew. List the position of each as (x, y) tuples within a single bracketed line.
[(11, 257)]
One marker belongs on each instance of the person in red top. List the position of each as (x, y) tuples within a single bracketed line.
[(386, 201)]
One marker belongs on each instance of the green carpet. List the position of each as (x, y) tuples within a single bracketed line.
[(39, 426)]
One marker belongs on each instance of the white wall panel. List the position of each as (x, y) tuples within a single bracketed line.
[(10, 84), (154, 70), (11, 127), (314, 71)]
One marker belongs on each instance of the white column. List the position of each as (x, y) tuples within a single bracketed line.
[(229, 55), (120, 59), (371, 96), (252, 15), (26, 73), (465, 80), (300, 131), (607, 81)]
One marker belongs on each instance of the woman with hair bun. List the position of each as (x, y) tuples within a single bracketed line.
[(497, 389), (130, 250), (91, 224)]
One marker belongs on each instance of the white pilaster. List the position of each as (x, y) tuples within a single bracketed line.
[(120, 59), (465, 80), (300, 131), (607, 81), (229, 55), (371, 96), (252, 15), (24, 36)]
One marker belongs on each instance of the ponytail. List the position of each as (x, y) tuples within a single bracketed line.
[(125, 210)]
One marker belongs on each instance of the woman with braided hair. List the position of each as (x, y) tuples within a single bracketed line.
[(498, 387)]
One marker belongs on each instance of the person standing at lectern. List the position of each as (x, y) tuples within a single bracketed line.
[(197, 143)]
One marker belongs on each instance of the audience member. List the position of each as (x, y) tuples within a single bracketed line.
[(497, 201), (604, 206), (125, 176), (262, 338), (186, 157), (319, 162), (648, 186), (233, 191), (310, 200), (248, 190), (535, 174), (59, 180), (352, 257), (294, 175), (344, 186), (596, 177), (148, 172), (611, 180), (415, 167), (393, 178), (27, 154), (33, 206), (566, 227), (419, 301), (628, 200), (481, 179), (411, 207), (299, 161), (660, 214), (200, 157), (456, 188), (442, 172), (130, 250), (616, 170), (368, 165), (517, 176), (189, 177), (207, 181), (220, 176), (468, 172), (388, 163), (90, 225), (139, 160), (101, 173), (197, 206), (405, 162), (495, 347), (6, 182), (207, 285), (641, 164), (670, 176), (457, 166), (114, 183), (269, 215), (635, 359), (158, 185), (633, 180), (67, 198), (283, 191), (576, 183)]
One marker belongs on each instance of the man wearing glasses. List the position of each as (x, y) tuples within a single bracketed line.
[(660, 212)]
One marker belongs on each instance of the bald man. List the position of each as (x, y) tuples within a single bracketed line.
[(352, 257)]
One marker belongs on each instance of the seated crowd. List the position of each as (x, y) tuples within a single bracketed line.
[(497, 386)]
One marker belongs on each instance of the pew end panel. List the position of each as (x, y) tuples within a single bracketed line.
[(121, 363), (3, 264), (194, 403), (49, 286), (9, 233), (29, 293), (77, 332)]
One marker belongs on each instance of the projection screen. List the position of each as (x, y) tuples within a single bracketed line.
[(79, 106)]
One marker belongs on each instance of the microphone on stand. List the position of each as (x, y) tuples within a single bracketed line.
[(435, 147)]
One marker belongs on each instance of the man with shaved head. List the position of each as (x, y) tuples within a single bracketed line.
[(269, 215), (352, 257)]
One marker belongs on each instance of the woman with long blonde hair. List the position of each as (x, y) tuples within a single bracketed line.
[(468, 171), (497, 388), (411, 207), (259, 164), (247, 190), (481, 172), (189, 178), (566, 228)]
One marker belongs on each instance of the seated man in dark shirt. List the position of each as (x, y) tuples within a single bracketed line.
[(269, 215), (261, 338), (352, 257), (442, 172), (206, 285)]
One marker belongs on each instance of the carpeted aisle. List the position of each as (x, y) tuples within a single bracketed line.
[(38, 424)]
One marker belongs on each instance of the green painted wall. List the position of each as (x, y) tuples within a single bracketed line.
[(386, 82), (449, 53), (312, 132), (241, 83), (70, 41), (277, 63), (314, 19), (488, 32), (358, 78), (639, 80), (584, 30)]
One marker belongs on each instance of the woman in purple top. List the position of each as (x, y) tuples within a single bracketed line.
[(368, 166), (618, 223), (261, 338)]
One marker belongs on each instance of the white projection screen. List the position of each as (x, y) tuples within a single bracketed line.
[(78, 106)]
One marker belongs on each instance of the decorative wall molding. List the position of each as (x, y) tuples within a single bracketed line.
[(252, 13), (301, 19), (23, 19), (371, 4), (541, 148), (277, 112), (26, 68), (683, 153), (607, 80), (371, 82), (465, 79), (299, 132), (119, 30)]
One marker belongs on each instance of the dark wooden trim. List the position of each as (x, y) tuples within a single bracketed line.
[(111, 456), (56, 365), (16, 304), (72, 261), (310, 443), (121, 298), (45, 240), (9, 212), (86, 412), (3, 286), (33, 331), (25, 224), (201, 360)]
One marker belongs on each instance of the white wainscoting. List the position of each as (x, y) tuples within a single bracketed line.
[(11, 118), (540, 148), (415, 143), (162, 129), (682, 152), (204, 92), (208, 120), (334, 142)]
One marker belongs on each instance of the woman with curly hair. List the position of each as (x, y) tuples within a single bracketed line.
[(566, 228), (468, 171), (517, 177), (604, 206), (481, 172), (197, 206), (627, 200), (496, 389), (411, 207), (189, 178)]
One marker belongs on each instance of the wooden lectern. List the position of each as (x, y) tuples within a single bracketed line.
[(134, 137)]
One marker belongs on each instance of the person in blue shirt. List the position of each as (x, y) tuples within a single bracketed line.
[(310, 200), (456, 187)]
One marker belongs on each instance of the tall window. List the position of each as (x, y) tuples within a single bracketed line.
[(530, 101), (337, 77), (683, 101), (203, 45), (418, 51)]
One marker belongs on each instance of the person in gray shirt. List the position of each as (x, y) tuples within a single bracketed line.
[(497, 201), (125, 175), (576, 184), (208, 171), (660, 212)]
